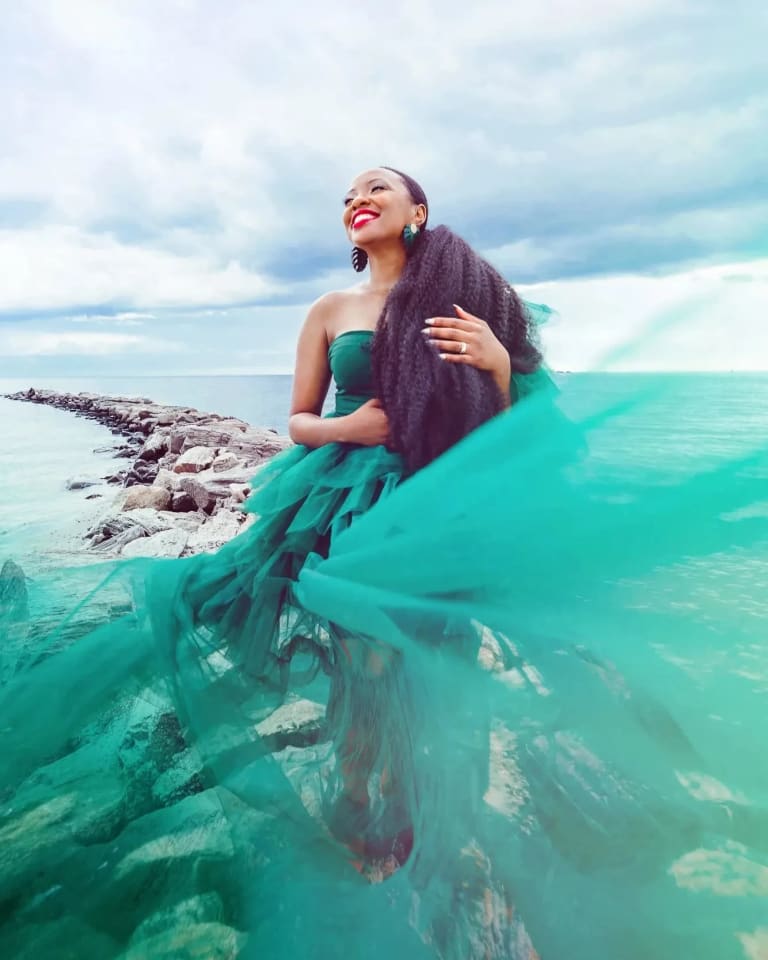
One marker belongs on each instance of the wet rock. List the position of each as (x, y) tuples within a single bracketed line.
[(158, 498), (80, 483)]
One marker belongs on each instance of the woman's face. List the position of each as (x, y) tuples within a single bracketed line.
[(377, 207)]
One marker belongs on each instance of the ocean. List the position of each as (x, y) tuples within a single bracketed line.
[(686, 421)]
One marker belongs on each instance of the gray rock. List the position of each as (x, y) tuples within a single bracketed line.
[(204, 434), (158, 498), (204, 499), (155, 446), (226, 461), (142, 472), (166, 543), (80, 483), (257, 445), (181, 502), (168, 479), (296, 724), (213, 533), (195, 460), (144, 521)]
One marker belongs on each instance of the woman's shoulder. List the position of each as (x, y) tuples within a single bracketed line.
[(330, 302)]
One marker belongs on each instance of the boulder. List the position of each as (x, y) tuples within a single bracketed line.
[(142, 472), (257, 445), (166, 543), (216, 434), (158, 498), (296, 724), (195, 460), (204, 499), (226, 461), (143, 521), (213, 533), (168, 479), (155, 446), (181, 502)]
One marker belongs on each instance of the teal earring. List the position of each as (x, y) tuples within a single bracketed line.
[(410, 233)]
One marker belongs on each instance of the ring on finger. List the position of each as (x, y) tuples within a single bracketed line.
[(463, 348)]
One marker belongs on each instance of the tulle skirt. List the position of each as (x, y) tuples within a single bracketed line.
[(512, 706)]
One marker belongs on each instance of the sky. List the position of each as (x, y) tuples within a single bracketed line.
[(171, 174)]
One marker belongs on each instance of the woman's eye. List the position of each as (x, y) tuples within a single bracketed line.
[(377, 186), (347, 201)]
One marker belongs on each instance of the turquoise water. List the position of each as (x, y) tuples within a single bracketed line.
[(683, 420)]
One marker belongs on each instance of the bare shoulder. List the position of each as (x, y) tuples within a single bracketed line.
[(330, 310)]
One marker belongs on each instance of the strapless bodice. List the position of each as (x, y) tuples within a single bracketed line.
[(349, 356)]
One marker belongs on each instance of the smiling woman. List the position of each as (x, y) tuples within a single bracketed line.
[(461, 690)]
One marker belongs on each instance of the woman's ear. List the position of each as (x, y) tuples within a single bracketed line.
[(420, 215)]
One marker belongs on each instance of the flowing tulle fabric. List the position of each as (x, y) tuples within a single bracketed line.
[(512, 706)]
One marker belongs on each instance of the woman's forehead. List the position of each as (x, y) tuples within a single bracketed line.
[(375, 173)]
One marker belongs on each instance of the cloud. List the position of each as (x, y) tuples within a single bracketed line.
[(126, 319), (168, 158), (707, 318), (32, 343)]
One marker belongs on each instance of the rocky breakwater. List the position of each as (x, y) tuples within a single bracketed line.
[(186, 476), (118, 845)]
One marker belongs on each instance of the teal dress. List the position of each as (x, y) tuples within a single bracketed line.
[(511, 707)]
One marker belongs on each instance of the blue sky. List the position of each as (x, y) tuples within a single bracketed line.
[(171, 174)]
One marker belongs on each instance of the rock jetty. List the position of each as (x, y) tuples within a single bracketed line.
[(186, 473)]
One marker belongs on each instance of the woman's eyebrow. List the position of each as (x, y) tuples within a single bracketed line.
[(373, 180)]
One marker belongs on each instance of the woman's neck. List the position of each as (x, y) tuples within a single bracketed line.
[(386, 267)]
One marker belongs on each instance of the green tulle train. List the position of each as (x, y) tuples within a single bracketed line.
[(513, 706)]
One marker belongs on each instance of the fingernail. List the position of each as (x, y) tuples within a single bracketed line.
[(443, 356), (426, 331), (429, 321)]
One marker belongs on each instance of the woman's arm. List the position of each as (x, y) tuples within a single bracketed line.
[(312, 376)]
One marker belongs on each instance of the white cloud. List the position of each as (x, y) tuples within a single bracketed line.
[(45, 268), (125, 319), (31, 343), (709, 318), (165, 157)]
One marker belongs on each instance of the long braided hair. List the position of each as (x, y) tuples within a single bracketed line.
[(430, 403)]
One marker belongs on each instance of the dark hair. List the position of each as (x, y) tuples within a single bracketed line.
[(430, 403)]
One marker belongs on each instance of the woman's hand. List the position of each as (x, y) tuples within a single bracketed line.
[(466, 338), (368, 425)]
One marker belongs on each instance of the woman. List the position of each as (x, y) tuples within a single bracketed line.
[(536, 702), (410, 382)]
